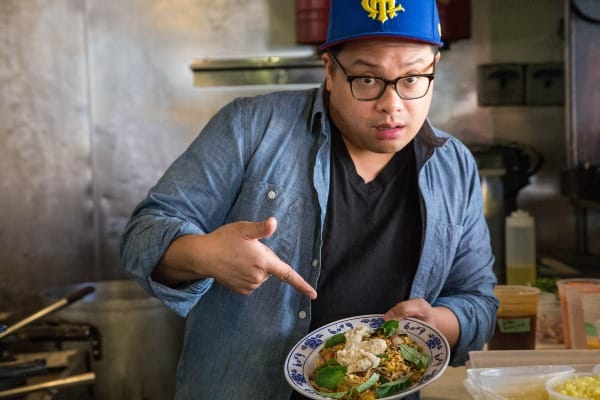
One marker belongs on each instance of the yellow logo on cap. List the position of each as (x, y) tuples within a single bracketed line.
[(381, 9)]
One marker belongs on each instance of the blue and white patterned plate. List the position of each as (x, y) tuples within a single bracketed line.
[(303, 357)]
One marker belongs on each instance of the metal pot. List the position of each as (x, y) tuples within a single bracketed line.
[(141, 340)]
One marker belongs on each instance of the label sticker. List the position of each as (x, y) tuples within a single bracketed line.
[(516, 325)]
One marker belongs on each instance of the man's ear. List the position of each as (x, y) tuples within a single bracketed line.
[(329, 69)]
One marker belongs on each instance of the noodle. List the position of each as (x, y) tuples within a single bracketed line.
[(392, 366)]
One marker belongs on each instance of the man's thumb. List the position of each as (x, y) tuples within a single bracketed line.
[(263, 229)]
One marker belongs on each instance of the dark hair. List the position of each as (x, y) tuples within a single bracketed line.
[(335, 49)]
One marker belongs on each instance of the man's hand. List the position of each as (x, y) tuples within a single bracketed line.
[(440, 317), (233, 255)]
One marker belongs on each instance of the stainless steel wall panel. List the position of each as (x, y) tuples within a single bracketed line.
[(46, 234), (145, 109)]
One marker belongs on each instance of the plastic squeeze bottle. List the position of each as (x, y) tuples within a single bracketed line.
[(520, 249)]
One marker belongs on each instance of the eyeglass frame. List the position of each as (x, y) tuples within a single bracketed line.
[(387, 82)]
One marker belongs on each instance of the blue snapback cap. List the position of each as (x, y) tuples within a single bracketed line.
[(416, 20)]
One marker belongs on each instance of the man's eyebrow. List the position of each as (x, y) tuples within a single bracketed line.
[(365, 63)]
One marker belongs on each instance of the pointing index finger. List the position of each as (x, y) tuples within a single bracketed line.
[(285, 273)]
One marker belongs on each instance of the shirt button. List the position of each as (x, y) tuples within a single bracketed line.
[(302, 314), (272, 194), (315, 263)]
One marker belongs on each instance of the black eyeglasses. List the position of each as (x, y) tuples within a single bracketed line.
[(369, 88)]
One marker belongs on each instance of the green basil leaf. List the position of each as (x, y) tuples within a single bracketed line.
[(414, 356), (389, 327), (333, 395), (359, 389), (368, 384), (330, 377), (329, 363), (393, 387), (335, 340)]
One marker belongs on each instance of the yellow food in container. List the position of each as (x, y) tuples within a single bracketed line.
[(531, 393), (578, 386), (526, 382)]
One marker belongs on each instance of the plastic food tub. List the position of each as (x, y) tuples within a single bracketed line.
[(582, 386), (522, 382)]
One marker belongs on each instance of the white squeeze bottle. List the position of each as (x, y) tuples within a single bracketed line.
[(520, 249)]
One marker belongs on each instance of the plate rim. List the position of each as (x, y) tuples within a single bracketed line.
[(314, 396)]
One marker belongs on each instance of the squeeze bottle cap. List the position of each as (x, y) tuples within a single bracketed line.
[(519, 218)]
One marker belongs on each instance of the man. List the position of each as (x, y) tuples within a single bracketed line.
[(347, 189)]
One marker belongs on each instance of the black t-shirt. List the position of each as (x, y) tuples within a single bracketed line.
[(372, 237)]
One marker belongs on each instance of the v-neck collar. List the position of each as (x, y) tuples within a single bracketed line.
[(388, 172)]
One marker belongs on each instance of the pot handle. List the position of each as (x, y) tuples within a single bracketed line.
[(82, 379), (78, 294)]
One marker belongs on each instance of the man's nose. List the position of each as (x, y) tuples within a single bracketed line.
[(390, 100)]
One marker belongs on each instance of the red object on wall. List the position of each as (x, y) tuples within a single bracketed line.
[(311, 21), (455, 18)]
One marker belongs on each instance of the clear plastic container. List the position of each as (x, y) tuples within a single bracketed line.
[(590, 385), (516, 318), (586, 285), (570, 291), (591, 317), (549, 320), (520, 249), (513, 383)]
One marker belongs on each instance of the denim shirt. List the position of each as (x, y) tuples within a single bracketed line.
[(270, 156)]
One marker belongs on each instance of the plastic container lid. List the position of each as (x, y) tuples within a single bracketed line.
[(501, 377)]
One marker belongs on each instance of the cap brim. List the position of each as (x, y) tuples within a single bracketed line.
[(382, 35)]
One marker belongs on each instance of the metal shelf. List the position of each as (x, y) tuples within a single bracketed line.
[(258, 71)]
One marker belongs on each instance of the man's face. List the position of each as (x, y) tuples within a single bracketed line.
[(389, 123)]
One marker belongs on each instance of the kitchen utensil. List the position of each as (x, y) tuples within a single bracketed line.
[(74, 380), (57, 305), (141, 339), (13, 373)]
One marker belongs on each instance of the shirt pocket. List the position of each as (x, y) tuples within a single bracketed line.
[(445, 240), (259, 200)]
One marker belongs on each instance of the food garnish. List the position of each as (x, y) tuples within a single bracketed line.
[(364, 363)]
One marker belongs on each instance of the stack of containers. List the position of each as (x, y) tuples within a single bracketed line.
[(571, 292)]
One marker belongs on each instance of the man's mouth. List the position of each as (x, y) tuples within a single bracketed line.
[(389, 131)]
